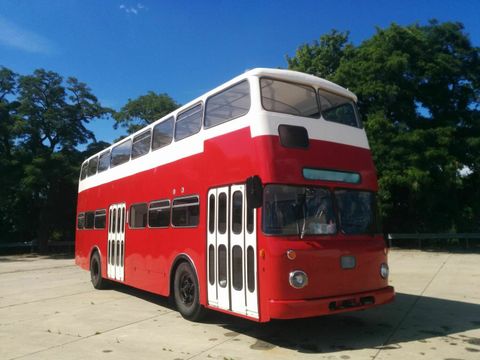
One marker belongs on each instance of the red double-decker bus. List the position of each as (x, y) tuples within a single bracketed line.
[(257, 199)]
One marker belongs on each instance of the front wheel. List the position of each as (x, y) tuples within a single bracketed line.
[(186, 293), (98, 281)]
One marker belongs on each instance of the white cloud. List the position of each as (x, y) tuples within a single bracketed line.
[(132, 9), (12, 35)]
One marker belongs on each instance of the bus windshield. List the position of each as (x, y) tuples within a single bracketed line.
[(356, 211), (304, 210)]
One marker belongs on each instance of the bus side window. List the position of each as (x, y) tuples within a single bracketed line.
[(104, 161), (89, 219), (121, 153), (138, 216), (92, 166), (189, 122), (159, 214), (185, 211), (100, 219), (83, 173), (228, 104), (141, 144), (81, 221), (162, 134)]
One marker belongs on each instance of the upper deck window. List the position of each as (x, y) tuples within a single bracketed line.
[(338, 109), (162, 134), (83, 173), (92, 166), (121, 153), (289, 98), (189, 122), (104, 161), (228, 104), (141, 144)]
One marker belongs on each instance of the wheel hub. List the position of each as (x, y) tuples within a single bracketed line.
[(187, 290)]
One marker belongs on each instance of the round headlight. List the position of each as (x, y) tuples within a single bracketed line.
[(298, 279), (384, 271)]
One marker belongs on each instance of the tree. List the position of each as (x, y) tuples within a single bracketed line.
[(323, 57), (43, 120), (419, 90), (144, 110)]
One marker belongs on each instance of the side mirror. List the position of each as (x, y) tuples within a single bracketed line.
[(254, 190)]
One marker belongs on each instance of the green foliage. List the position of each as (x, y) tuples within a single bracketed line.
[(42, 121), (144, 110), (419, 92), (323, 57)]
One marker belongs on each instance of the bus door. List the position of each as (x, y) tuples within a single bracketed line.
[(232, 251), (116, 242)]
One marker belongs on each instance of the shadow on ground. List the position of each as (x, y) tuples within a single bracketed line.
[(409, 318)]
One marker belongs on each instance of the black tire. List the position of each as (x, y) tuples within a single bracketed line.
[(186, 293), (98, 281)]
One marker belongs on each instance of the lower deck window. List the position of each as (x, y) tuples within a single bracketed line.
[(89, 219), (138, 216), (185, 211), (81, 221), (159, 214), (100, 219)]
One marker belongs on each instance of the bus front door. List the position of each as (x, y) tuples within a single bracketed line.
[(116, 242), (232, 251)]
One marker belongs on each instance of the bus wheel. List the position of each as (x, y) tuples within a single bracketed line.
[(186, 294), (96, 272)]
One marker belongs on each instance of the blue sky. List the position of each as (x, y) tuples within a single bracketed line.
[(122, 49)]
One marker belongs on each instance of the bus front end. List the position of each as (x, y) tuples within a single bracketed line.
[(321, 248)]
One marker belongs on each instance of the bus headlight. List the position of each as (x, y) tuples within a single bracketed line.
[(298, 279), (384, 271)]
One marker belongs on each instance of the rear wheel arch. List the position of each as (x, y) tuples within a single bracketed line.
[(93, 250), (185, 288), (173, 269)]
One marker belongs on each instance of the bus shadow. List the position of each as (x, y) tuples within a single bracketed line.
[(409, 318), (144, 295)]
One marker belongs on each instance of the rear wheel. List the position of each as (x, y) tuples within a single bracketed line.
[(98, 281), (186, 293)]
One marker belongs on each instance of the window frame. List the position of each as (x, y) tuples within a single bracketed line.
[(81, 215), (116, 146), (140, 135), (222, 91), (158, 124), (355, 108), (163, 207), (97, 215), (130, 225), (202, 112), (333, 203), (93, 221), (315, 90), (105, 154), (377, 225), (89, 167), (84, 170), (185, 205)]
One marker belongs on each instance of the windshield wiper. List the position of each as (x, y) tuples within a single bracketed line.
[(301, 204)]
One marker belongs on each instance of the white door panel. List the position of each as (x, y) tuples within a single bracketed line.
[(232, 251), (116, 242)]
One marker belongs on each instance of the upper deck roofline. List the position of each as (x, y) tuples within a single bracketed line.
[(299, 77), (287, 75)]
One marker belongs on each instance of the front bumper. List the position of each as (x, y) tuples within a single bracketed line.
[(292, 309)]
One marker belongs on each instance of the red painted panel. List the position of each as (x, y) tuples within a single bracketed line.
[(226, 160)]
